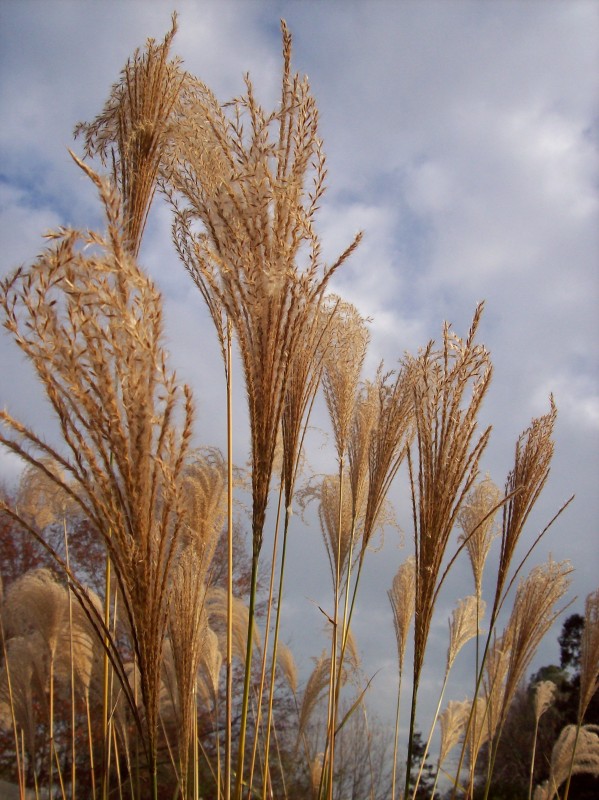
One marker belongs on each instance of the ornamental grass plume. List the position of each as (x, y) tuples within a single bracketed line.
[(494, 683), (452, 721), (463, 626), (589, 654), (449, 387), (337, 525), (210, 668), (343, 365), (205, 490), (390, 437), (90, 322), (134, 128), (575, 751), (476, 734), (589, 670), (41, 499), (36, 603), (216, 605), (402, 599), (533, 614), (304, 378), (246, 186), (314, 690), (366, 409), (342, 369), (477, 521), (534, 451), (544, 697), (17, 681), (288, 667)]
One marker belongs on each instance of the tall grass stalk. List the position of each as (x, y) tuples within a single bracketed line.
[(254, 224), (306, 369), (543, 699), (589, 670), (229, 651), (525, 481), (402, 599), (449, 387), (463, 626), (267, 627)]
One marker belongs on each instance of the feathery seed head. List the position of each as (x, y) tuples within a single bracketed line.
[(476, 519), (544, 697), (589, 653), (402, 599), (452, 720), (464, 625)]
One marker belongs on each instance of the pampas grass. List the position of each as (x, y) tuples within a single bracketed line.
[(91, 325), (247, 192), (449, 387), (244, 185), (575, 751), (133, 130)]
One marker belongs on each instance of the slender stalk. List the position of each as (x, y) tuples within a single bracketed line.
[(247, 677), (20, 771), (218, 757), (430, 735), (229, 655), (264, 655), (532, 759), (51, 744), (106, 717), (570, 769), (72, 665), (395, 740), (91, 745), (411, 736), (273, 665), (196, 758), (333, 682)]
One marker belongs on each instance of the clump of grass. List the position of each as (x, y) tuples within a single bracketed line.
[(449, 387), (533, 614), (247, 190), (91, 325)]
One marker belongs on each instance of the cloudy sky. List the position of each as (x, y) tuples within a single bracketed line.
[(460, 136)]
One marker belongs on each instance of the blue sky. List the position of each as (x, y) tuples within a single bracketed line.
[(460, 136)]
